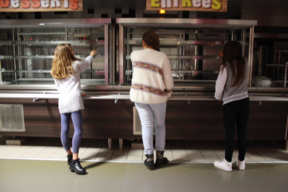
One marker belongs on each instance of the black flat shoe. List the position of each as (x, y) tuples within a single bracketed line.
[(76, 167), (149, 162), (69, 159)]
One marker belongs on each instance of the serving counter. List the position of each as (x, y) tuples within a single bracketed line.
[(192, 46)]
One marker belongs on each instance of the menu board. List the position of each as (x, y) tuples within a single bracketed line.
[(40, 5), (187, 5), (12, 118)]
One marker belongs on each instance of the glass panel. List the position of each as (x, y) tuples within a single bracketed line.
[(29, 56), (193, 53)]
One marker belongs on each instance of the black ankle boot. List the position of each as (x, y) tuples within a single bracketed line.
[(149, 162), (160, 160), (69, 159), (76, 167)]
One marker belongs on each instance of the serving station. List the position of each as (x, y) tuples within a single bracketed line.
[(193, 47)]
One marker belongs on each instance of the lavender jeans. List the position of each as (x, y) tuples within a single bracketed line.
[(78, 130)]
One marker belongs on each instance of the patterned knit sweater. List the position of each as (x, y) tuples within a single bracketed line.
[(152, 80)]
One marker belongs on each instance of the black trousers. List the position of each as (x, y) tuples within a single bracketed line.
[(236, 113)]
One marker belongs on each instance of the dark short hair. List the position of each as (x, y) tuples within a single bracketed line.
[(151, 39)]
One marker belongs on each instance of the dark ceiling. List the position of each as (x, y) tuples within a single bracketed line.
[(266, 12), (246, 6)]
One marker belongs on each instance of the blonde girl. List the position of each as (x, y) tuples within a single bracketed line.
[(66, 69)]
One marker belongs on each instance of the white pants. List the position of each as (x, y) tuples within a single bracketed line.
[(152, 114)]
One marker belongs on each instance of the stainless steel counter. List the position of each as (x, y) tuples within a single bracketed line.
[(98, 90)]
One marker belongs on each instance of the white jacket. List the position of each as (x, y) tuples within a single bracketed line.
[(69, 89), (224, 90)]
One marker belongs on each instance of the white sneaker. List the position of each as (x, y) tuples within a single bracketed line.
[(224, 165), (241, 164)]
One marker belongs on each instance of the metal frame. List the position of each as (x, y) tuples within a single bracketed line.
[(179, 43), (106, 32), (51, 23), (250, 56), (121, 55), (53, 43), (185, 23)]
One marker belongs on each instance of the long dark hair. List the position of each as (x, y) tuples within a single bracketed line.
[(232, 56), (151, 39)]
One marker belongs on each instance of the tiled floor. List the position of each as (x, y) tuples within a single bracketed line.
[(46, 176), (176, 151)]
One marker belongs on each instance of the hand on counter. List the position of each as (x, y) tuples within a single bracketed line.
[(93, 52)]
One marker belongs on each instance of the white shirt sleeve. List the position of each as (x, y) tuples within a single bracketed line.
[(81, 66), (220, 83), (56, 83)]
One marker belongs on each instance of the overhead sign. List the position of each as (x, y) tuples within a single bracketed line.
[(187, 5), (40, 5)]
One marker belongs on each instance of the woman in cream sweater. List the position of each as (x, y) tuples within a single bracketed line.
[(151, 87)]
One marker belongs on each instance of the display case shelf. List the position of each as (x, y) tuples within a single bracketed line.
[(54, 43), (177, 42), (39, 56), (187, 57)]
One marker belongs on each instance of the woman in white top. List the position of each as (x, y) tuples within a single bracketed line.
[(232, 89), (66, 69), (151, 87)]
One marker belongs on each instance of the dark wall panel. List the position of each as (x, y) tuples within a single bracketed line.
[(106, 119)]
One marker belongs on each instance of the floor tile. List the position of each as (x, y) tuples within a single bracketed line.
[(43, 156), (10, 148), (36, 149), (58, 156), (134, 158), (121, 152), (50, 150), (135, 152), (87, 157), (103, 158), (28, 155), (14, 154), (119, 158), (179, 151)]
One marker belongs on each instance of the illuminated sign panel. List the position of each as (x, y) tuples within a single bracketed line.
[(187, 5), (40, 5)]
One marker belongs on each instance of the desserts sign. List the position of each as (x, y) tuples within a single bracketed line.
[(40, 5)]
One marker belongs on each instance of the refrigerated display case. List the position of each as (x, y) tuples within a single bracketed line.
[(27, 49)]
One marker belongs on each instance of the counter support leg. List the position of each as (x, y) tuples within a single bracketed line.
[(109, 143), (120, 144)]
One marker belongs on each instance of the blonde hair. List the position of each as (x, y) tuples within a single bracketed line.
[(62, 61)]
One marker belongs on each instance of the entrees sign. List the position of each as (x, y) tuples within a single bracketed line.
[(187, 5), (40, 5)]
